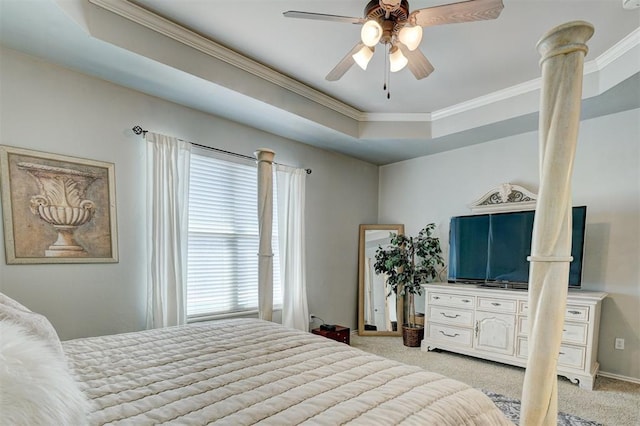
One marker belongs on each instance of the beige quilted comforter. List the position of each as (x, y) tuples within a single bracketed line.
[(243, 371)]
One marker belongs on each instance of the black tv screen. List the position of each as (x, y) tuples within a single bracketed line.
[(493, 248)]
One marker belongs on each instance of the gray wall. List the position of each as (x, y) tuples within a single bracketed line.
[(48, 108), (606, 179)]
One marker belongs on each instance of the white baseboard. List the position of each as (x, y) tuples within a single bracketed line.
[(619, 377)]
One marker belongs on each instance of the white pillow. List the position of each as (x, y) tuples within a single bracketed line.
[(36, 387), (34, 323)]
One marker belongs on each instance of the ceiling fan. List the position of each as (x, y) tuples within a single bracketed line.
[(389, 23)]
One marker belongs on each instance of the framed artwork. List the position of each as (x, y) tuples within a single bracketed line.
[(57, 209)]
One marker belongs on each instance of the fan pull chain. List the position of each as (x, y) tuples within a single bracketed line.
[(389, 88), (387, 73), (386, 56)]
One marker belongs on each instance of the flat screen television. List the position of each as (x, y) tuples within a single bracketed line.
[(492, 249)]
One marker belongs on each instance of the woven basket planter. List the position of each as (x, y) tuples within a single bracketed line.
[(412, 336)]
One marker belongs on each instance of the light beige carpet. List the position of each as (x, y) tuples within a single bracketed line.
[(612, 402)]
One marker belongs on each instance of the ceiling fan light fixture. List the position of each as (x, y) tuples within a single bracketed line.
[(630, 4), (411, 36), (397, 60), (363, 56), (371, 33)]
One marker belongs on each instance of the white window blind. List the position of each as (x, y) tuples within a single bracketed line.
[(222, 274)]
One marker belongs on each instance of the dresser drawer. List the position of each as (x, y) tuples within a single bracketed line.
[(455, 300), (446, 315), (572, 356), (571, 313), (572, 332), (452, 335), (497, 305), (523, 307), (569, 356), (577, 313)]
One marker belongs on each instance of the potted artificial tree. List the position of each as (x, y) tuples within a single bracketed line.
[(409, 262)]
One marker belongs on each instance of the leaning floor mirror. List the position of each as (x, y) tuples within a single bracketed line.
[(378, 312)]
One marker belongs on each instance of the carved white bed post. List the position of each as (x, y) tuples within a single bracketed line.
[(562, 50), (265, 223)]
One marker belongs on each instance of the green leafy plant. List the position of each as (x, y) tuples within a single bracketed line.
[(409, 262)]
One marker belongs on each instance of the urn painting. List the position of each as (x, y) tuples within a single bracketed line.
[(57, 209)]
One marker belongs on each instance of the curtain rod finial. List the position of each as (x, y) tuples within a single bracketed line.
[(139, 130)]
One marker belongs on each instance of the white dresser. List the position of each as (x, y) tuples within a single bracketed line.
[(491, 323)]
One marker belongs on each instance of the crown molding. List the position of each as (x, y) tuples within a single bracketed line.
[(150, 20), (491, 98), (189, 38), (397, 116), (598, 64), (616, 51)]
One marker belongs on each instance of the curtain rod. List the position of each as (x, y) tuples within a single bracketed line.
[(140, 131)]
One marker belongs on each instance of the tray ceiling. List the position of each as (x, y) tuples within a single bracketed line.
[(244, 61)]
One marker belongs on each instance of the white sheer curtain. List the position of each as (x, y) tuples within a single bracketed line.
[(167, 229), (291, 200)]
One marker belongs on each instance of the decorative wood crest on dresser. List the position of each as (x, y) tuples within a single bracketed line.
[(505, 197)]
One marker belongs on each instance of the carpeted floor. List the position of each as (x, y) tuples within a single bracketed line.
[(611, 403)]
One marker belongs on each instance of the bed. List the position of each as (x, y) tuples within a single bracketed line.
[(247, 371)]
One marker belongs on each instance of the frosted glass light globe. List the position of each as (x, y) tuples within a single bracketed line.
[(397, 60), (371, 33), (363, 56), (411, 36)]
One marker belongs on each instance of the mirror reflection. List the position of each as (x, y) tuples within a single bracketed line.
[(379, 312)]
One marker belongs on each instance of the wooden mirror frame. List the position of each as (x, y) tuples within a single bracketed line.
[(399, 229)]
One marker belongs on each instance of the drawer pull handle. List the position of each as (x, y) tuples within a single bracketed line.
[(466, 300), (496, 304), (561, 353), (574, 312), (449, 335), (436, 297), (449, 316)]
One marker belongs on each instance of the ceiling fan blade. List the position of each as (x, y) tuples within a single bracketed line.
[(322, 17), (345, 63), (467, 11), (418, 64)]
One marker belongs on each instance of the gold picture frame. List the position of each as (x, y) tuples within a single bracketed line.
[(56, 208)]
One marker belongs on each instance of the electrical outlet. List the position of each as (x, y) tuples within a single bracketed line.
[(311, 317), (619, 343)]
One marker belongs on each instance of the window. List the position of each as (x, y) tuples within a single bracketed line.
[(222, 265)]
